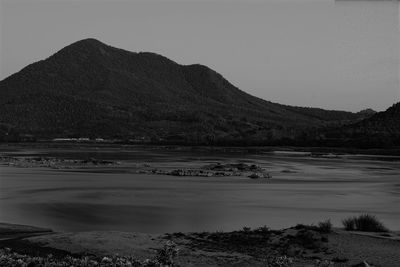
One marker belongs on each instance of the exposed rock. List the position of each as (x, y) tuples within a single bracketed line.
[(97, 161), (238, 169), (194, 172), (56, 163), (233, 167), (257, 175)]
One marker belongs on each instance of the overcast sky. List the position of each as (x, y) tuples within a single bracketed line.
[(342, 55)]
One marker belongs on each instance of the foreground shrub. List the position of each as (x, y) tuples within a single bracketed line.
[(349, 224), (325, 226), (165, 258), (167, 254), (309, 239), (10, 258), (365, 223)]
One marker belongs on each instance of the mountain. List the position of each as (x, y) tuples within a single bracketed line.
[(367, 112), (380, 130), (90, 89)]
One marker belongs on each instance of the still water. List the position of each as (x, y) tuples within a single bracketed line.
[(303, 189)]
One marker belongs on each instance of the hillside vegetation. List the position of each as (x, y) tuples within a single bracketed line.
[(90, 89)]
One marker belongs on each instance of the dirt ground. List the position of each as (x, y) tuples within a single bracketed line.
[(259, 247)]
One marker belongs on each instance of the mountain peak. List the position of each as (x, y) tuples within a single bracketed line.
[(85, 47), (88, 41), (368, 112)]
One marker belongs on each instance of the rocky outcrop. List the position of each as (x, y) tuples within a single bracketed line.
[(56, 163), (216, 170), (257, 175)]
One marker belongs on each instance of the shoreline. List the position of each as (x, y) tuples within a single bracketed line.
[(302, 245), (395, 151)]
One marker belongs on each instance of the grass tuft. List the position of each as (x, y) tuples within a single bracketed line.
[(365, 223)]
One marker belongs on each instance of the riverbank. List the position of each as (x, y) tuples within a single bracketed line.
[(394, 151), (300, 245)]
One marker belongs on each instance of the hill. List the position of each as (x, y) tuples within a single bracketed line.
[(380, 130), (90, 89)]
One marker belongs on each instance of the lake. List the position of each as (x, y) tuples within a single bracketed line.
[(303, 189)]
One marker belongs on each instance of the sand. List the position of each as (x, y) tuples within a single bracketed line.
[(197, 249)]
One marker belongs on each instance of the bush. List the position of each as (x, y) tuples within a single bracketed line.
[(11, 258), (364, 222), (369, 223), (310, 239), (246, 229), (263, 230), (167, 254), (325, 226), (348, 224)]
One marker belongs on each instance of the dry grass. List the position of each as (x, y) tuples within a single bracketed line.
[(365, 223)]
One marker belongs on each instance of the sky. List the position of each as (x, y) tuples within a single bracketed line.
[(341, 55)]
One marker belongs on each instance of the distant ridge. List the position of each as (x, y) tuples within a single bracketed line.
[(367, 112), (90, 89), (380, 130)]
